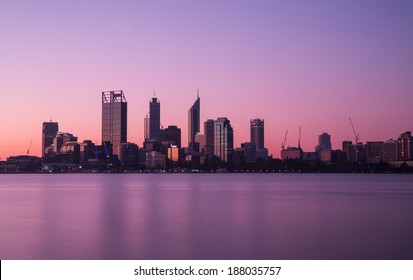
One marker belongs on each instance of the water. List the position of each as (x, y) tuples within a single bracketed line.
[(206, 216)]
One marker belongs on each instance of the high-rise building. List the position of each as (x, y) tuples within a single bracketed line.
[(173, 134), (61, 139), (405, 146), (200, 142), (324, 142), (390, 150), (146, 125), (114, 119), (257, 132), (374, 151), (223, 139), (193, 122), (154, 119), (49, 131), (209, 136)]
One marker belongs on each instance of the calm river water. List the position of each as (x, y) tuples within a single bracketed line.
[(206, 216)]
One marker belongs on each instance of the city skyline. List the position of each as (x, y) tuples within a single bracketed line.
[(294, 64)]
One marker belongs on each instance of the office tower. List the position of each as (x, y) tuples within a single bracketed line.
[(374, 151), (405, 146), (146, 125), (257, 132), (209, 136), (49, 131), (128, 155), (346, 148), (61, 139), (200, 142), (390, 150), (223, 139), (193, 122), (324, 142), (114, 119), (154, 119), (173, 134)]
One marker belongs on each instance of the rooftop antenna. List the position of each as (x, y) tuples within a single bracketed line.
[(154, 93), (197, 93), (299, 138)]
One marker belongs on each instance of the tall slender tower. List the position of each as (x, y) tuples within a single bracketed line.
[(209, 136), (194, 121), (224, 140), (257, 132), (154, 119), (49, 131), (114, 119)]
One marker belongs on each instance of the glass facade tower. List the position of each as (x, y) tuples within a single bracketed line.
[(257, 132), (223, 140), (114, 119), (49, 132), (154, 119), (193, 122)]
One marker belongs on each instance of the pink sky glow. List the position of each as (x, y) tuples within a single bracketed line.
[(312, 64)]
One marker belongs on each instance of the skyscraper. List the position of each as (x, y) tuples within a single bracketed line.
[(154, 119), (114, 119), (49, 131), (209, 136), (324, 142), (173, 134), (223, 139), (257, 132), (405, 146), (193, 122)]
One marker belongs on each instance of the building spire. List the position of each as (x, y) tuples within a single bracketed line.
[(197, 95)]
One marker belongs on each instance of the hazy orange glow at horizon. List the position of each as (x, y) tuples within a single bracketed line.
[(293, 64)]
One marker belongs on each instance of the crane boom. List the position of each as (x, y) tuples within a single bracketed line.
[(285, 140), (356, 135), (30, 145)]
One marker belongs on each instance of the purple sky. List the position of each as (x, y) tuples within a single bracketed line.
[(308, 63)]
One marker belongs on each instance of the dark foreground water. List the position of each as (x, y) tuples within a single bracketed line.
[(206, 216)]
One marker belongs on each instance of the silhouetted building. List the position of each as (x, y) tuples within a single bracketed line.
[(405, 146), (146, 127), (87, 151), (193, 122), (114, 118), (173, 134), (209, 136), (374, 151), (291, 153), (200, 142), (223, 139), (155, 159), (152, 145), (128, 155), (61, 139), (154, 119), (324, 142), (250, 151), (346, 148), (257, 132), (49, 131), (390, 150)]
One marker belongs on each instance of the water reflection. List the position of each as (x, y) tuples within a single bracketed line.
[(204, 216)]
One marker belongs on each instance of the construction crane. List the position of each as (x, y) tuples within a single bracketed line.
[(299, 138), (285, 140), (356, 135), (30, 145)]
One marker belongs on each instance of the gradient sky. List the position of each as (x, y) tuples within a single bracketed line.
[(308, 63)]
